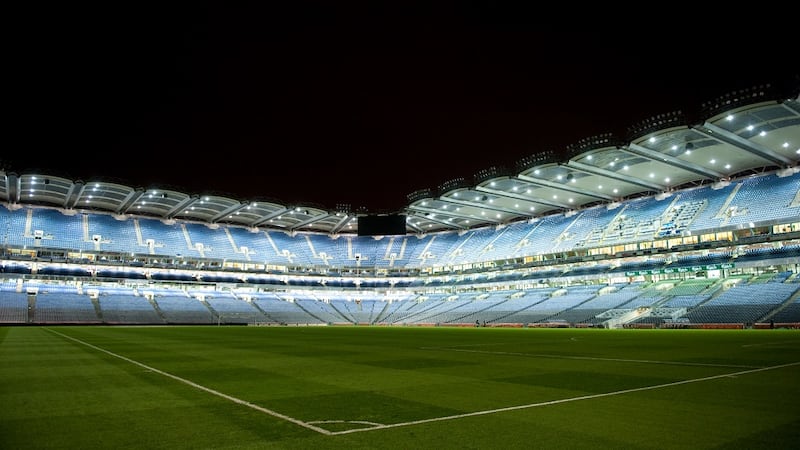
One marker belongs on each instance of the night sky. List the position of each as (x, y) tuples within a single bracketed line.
[(321, 104)]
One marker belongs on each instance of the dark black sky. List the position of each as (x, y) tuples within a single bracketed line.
[(322, 104)]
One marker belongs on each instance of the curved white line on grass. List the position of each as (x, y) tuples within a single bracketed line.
[(564, 400), (591, 358), (199, 386)]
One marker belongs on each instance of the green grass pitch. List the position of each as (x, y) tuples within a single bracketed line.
[(397, 387)]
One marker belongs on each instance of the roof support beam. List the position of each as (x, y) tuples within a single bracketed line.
[(313, 219), (73, 194), (529, 199), (266, 218), (673, 161), (517, 197), (550, 184), (464, 203), (791, 107), (414, 227), (12, 184), (449, 225), (129, 200), (431, 214), (228, 211), (726, 136), (341, 223), (191, 200), (592, 170)]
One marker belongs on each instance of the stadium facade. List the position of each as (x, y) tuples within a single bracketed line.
[(685, 223)]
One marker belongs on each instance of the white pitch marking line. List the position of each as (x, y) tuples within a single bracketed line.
[(767, 344), (198, 386), (363, 422), (590, 358), (484, 344), (564, 400)]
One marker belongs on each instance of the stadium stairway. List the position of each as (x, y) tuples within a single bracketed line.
[(715, 289), (31, 308), (377, 317), (345, 314), (307, 311), (531, 305), (265, 313), (157, 309), (213, 311), (97, 309), (651, 311), (628, 317), (792, 298), (479, 311)]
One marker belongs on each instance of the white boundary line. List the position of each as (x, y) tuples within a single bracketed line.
[(767, 344), (433, 419), (563, 400), (589, 358), (199, 386)]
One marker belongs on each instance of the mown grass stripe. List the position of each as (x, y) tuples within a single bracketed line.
[(564, 400), (591, 358), (198, 386)]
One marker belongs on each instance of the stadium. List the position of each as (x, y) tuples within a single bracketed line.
[(202, 301), (654, 231)]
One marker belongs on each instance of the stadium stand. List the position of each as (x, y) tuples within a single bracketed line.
[(683, 225)]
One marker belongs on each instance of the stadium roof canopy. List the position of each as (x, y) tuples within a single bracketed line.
[(746, 132)]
